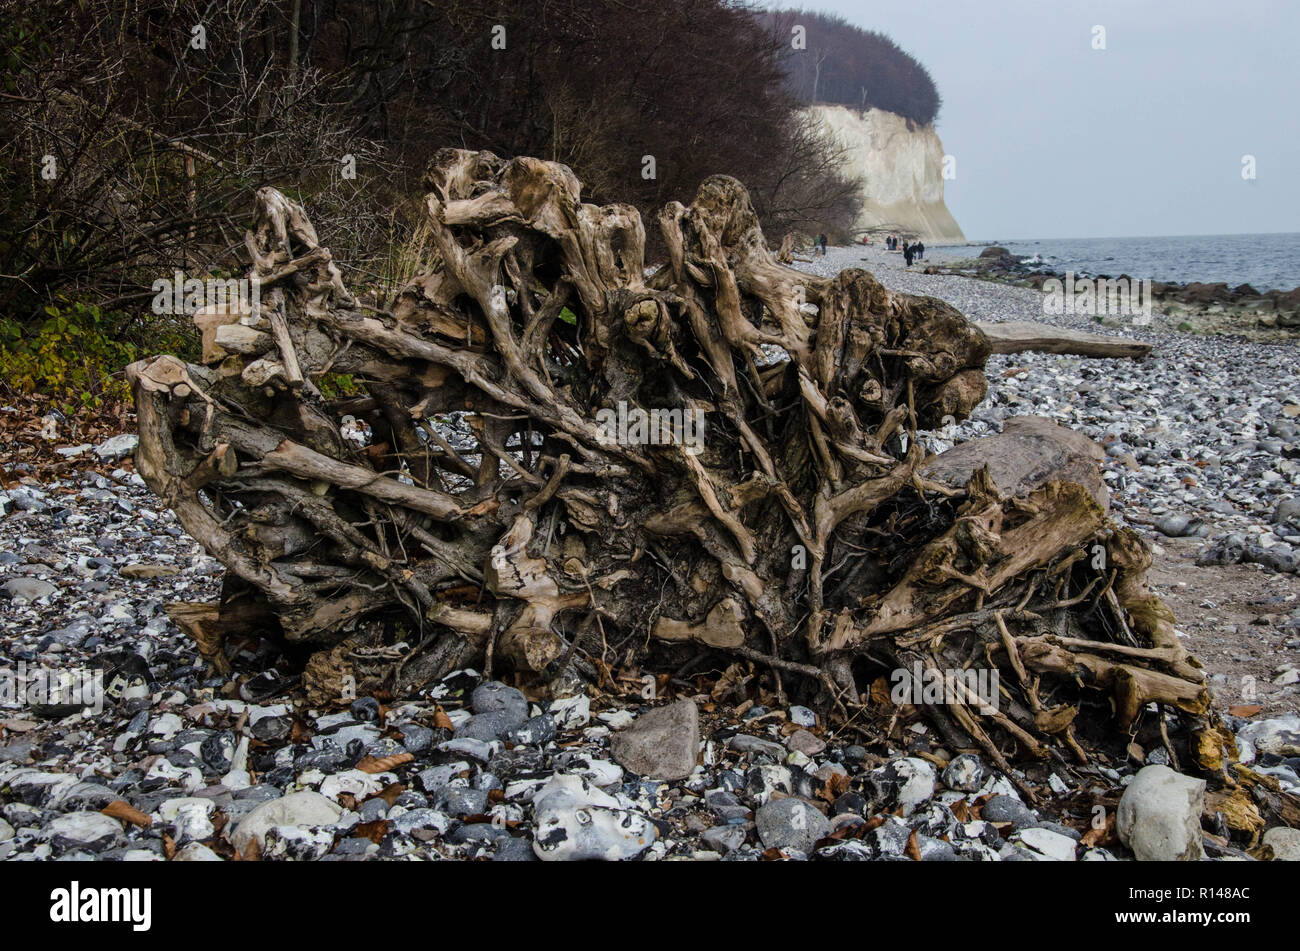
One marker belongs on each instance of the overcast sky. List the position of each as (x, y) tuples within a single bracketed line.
[(1054, 139)]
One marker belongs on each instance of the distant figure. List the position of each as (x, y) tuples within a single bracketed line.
[(907, 253), (823, 245), (892, 243), (918, 250)]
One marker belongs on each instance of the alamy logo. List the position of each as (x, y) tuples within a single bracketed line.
[(655, 427), (930, 685), (178, 295), (39, 686), (75, 904), (1097, 297)]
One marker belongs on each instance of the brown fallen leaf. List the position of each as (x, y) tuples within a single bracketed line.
[(960, 810), (1245, 710), (913, 848), (300, 733), (388, 794), (371, 764), (835, 786), (374, 831), (169, 846), (441, 720), (881, 695), (127, 813), (1100, 835)]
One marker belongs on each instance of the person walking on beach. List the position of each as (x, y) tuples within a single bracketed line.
[(918, 250), (907, 253), (823, 244)]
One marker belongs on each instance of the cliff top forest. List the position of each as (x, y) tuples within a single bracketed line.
[(850, 66)]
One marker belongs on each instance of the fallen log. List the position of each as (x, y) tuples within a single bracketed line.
[(564, 468), (1018, 336)]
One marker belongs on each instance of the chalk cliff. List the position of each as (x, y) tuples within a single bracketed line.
[(900, 166)]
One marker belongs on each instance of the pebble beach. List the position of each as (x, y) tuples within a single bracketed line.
[(1202, 457)]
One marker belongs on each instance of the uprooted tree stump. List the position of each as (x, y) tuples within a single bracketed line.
[(500, 495)]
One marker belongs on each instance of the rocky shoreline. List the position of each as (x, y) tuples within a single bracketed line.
[(1201, 455), (1190, 308)]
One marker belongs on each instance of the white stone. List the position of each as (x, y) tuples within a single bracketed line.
[(570, 713), (168, 810), (354, 783), (111, 450), (83, 828), (1284, 842), (1053, 845), (618, 719), (1278, 735), (1159, 816), (297, 809), (576, 821), (196, 852), (296, 843), (917, 783)]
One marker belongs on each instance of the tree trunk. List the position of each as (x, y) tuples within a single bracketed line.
[(561, 467)]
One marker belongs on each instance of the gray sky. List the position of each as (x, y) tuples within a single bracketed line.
[(1054, 139)]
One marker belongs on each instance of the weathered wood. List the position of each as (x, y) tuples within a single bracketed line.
[(517, 486), (1018, 336)]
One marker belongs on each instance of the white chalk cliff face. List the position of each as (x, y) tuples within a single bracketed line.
[(901, 170)]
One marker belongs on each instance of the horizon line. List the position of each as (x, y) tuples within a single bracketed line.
[(1115, 237)]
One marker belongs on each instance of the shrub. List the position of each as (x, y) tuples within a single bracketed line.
[(77, 352)]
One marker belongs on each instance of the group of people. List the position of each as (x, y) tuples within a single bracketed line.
[(911, 252)]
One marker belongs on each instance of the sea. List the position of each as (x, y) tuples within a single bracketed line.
[(1264, 261)]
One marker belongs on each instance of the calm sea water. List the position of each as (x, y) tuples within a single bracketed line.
[(1264, 261)]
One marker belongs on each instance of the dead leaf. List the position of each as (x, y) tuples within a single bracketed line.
[(300, 733), (371, 764), (913, 848), (881, 693), (388, 794), (374, 831), (1245, 710), (127, 813), (1100, 835)]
